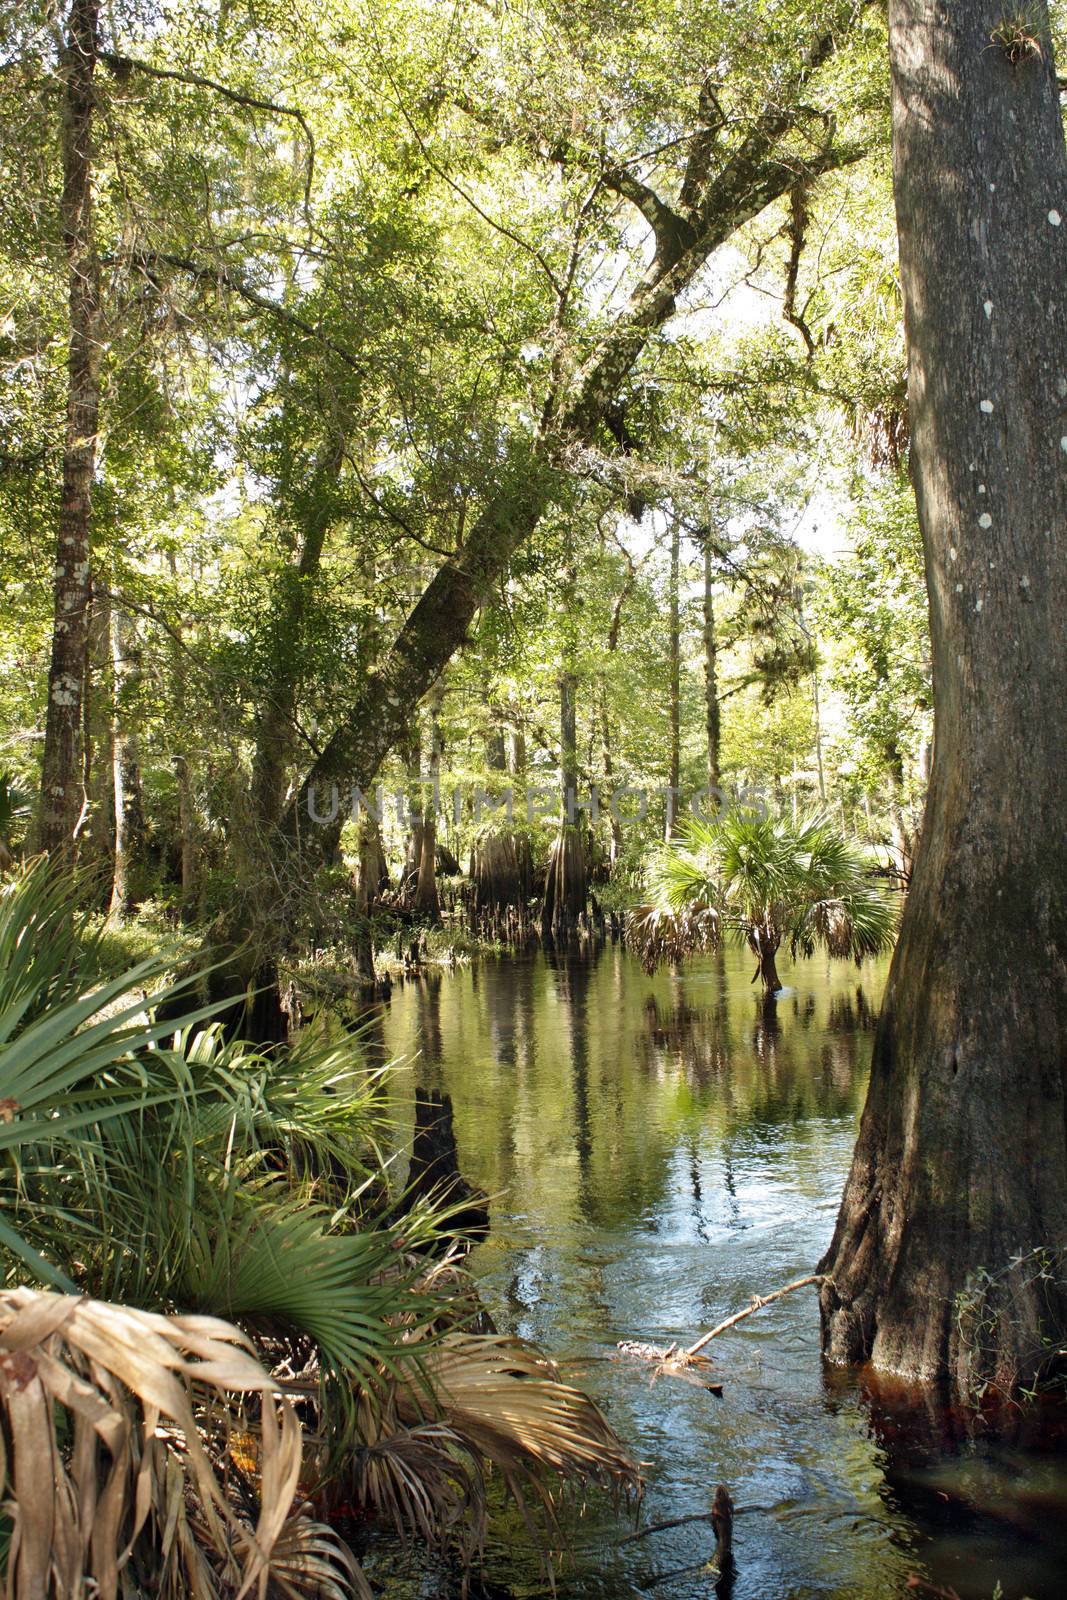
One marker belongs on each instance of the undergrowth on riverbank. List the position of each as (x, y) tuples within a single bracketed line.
[(208, 1266)]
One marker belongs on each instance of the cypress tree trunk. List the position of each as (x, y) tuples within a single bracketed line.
[(61, 786), (961, 1165)]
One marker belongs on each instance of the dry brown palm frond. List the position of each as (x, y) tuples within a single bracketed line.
[(106, 1469), (425, 1483), (506, 1404), (833, 926), (484, 1401), (658, 934)]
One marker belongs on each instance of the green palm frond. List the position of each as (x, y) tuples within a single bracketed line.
[(316, 1100), (47, 953), (278, 1261), (764, 878)]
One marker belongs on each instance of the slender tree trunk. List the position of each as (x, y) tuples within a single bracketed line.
[(713, 716), (568, 737), (566, 885), (125, 767), (426, 900), (98, 833), (607, 757), (958, 1189), (61, 788), (183, 777), (517, 751), (607, 762), (119, 883), (674, 686), (817, 711)]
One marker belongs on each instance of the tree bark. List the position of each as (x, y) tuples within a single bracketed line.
[(119, 876), (62, 796), (961, 1165)]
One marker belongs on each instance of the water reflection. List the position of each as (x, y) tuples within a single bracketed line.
[(661, 1149)]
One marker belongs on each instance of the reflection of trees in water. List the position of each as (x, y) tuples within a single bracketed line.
[(511, 1019), (804, 1010), (370, 1023), (766, 1031), (572, 976), (851, 1013), (428, 1026), (696, 1037)]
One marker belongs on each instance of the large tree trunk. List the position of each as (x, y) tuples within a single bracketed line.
[(961, 1165), (62, 794)]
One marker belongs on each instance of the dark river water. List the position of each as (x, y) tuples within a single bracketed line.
[(659, 1150)]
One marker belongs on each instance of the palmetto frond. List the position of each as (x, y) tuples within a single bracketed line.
[(279, 1261), (209, 1178), (765, 878), (660, 934), (489, 1405), (101, 1445), (506, 1404)]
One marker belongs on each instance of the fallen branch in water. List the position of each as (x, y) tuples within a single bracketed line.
[(673, 1360), (758, 1302)]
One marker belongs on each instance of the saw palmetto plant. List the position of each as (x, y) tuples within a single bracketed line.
[(765, 881), (241, 1202), (106, 1411)]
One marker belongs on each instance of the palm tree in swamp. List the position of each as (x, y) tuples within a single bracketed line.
[(765, 881)]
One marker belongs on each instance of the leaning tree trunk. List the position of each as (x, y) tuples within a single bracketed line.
[(961, 1166), (724, 188), (61, 786)]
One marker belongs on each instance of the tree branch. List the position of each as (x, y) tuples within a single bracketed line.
[(221, 278), (122, 66)]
